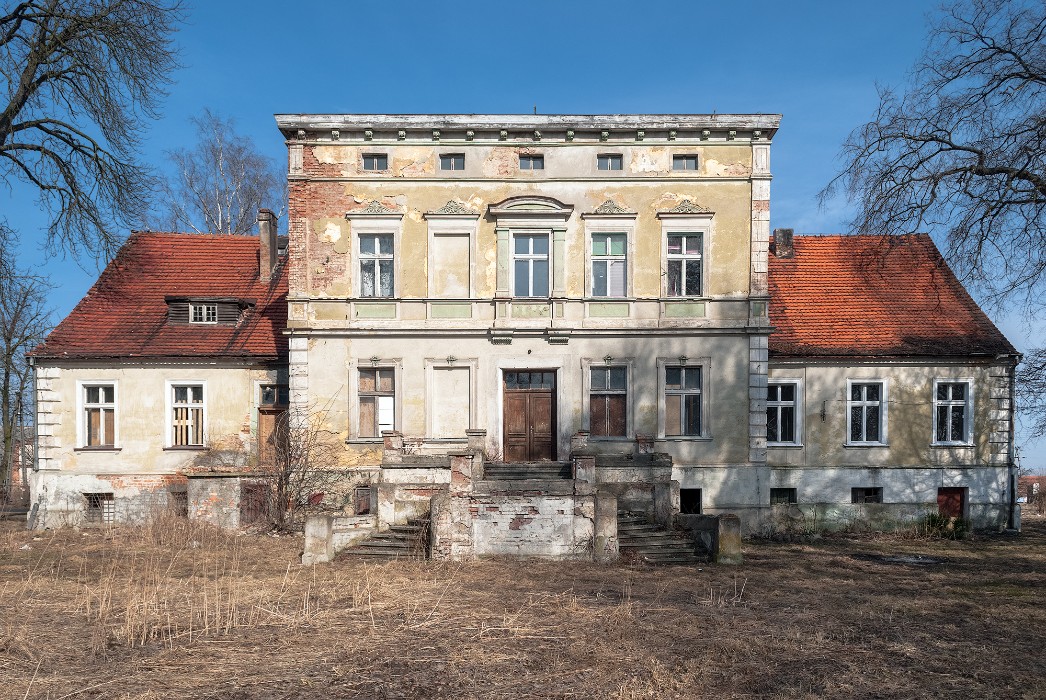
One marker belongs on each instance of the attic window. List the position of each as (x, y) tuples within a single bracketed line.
[(203, 313)]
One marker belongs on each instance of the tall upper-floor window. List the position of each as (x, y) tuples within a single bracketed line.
[(376, 265), (684, 263), (952, 411), (609, 264), (530, 265)]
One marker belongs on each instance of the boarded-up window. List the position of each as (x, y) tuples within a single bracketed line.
[(99, 415), (187, 415), (608, 402), (377, 392), (451, 401), (450, 266)]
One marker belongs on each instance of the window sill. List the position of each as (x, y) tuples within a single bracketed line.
[(684, 438), (186, 448), (786, 445), (611, 438), (365, 441), (962, 445), (866, 444), (97, 449)]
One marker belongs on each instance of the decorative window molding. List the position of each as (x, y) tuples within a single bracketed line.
[(531, 264), (376, 231), (97, 424), (952, 412), (530, 215), (683, 389), (867, 406), (435, 427), (380, 407), (452, 226), (784, 412)]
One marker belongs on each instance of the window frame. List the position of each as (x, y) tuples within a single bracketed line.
[(365, 156), (682, 225), (876, 491), (792, 495), (704, 364), (450, 226), (797, 407), (375, 259), (453, 160), (170, 405), (609, 160), (102, 503), (207, 308), (967, 405), (587, 365), (884, 406), (394, 364), (606, 232), (686, 158), (514, 256), (534, 159), (432, 365), (82, 407)]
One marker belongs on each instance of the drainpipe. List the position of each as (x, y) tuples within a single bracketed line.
[(36, 418), (1010, 456)]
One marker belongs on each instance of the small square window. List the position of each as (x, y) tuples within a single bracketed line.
[(274, 395), (783, 497), (609, 161), (690, 501), (375, 161), (866, 494), (203, 313), (684, 162), (100, 508), (532, 162), (452, 161)]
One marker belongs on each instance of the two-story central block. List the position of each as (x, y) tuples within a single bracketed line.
[(526, 279)]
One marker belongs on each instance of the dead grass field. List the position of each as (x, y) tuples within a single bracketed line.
[(175, 610)]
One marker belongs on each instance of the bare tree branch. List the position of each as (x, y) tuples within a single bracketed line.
[(78, 79)]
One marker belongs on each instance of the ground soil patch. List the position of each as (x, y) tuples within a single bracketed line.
[(176, 610)]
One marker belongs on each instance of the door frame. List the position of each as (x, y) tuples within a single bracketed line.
[(548, 363), (553, 409)]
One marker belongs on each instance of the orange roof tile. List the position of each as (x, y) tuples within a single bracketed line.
[(125, 313), (872, 296)]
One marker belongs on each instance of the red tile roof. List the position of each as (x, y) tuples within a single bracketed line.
[(125, 315), (873, 296)]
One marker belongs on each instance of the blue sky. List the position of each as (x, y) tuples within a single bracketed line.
[(817, 63)]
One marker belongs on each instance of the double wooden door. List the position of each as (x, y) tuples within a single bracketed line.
[(530, 415)]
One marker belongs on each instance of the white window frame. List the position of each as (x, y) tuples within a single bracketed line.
[(705, 365), (532, 257), (208, 312), (376, 225), (681, 225), (373, 261), (396, 365), (797, 405), (363, 162), (591, 260), (587, 365), (452, 160), (620, 162), (81, 413), (967, 415), (169, 406), (884, 406)]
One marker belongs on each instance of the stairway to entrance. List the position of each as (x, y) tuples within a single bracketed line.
[(410, 541), (524, 471), (640, 540)]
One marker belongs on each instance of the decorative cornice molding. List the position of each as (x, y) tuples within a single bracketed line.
[(452, 208), (611, 207), (687, 206), (374, 208)]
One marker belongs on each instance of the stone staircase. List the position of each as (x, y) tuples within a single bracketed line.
[(644, 542), (410, 541), (527, 471)]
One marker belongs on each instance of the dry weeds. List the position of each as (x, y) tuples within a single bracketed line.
[(179, 610)]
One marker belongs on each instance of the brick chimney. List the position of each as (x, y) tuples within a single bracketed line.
[(783, 247), (267, 257)]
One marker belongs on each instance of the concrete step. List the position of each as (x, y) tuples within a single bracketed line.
[(398, 542), (527, 471)]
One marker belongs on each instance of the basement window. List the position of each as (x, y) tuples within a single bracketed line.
[(780, 497), (866, 494), (689, 501), (100, 508)]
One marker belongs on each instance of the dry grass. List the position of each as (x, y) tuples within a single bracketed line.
[(176, 610)]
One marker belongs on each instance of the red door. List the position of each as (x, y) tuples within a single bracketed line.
[(951, 502), (530, 415)]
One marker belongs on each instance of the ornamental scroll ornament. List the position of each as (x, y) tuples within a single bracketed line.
[(688, 207), (376, 207), (452, 207), (611, 207)]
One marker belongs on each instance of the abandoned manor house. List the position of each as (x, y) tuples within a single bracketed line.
[(531, 331)]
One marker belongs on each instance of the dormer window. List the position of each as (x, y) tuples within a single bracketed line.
[(203, 313)]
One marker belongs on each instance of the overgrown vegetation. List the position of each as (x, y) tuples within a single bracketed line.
[(177, 609)]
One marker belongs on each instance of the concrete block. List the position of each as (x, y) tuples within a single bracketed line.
[(729, 540), (319, 540), (605, 545)]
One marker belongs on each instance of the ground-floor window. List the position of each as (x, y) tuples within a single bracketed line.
[(377, 409), (783, 497), (690, 501)]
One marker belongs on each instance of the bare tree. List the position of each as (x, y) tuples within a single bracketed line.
[(962, 151), (25, 319), (219, 185), (79, 78)]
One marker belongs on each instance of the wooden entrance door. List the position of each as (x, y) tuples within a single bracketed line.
[(530, 415), (951, 502)]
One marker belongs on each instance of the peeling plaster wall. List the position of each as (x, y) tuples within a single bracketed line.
[(533, 526)]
